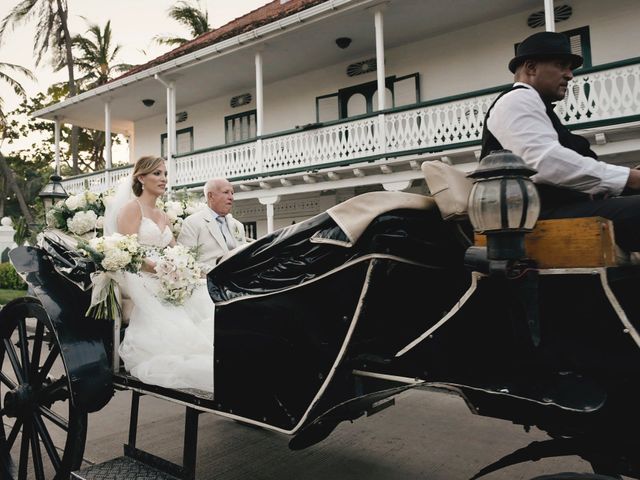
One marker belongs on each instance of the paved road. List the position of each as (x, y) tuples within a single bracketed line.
[(426, 435)]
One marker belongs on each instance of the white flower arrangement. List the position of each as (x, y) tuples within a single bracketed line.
[(80, 214), (178, 273), (179, 207), (112, 255)]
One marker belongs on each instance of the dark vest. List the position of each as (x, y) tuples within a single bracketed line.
[(550, 196)]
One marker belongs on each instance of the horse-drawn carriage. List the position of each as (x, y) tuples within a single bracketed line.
[(328, 319)]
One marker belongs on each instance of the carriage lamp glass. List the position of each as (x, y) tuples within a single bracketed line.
[(503, 204), (52, 192)]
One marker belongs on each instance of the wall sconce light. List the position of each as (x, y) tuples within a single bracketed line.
[(148, 102), (343, 42)]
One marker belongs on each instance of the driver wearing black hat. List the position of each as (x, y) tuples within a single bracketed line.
[(570, 179)]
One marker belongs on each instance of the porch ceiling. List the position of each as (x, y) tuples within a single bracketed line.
[(288, 53)]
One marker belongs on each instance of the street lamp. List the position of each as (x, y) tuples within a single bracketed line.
[(503, 204), (52, 192)]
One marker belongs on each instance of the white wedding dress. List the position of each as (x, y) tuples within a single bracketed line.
[(164, 344)]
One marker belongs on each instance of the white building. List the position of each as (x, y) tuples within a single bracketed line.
[(284, 101)]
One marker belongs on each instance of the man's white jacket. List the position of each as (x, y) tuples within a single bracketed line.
[(202, 231)]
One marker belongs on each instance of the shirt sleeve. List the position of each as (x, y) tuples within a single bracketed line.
[(520, 123)]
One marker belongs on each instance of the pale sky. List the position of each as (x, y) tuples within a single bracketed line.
[(133, 25)]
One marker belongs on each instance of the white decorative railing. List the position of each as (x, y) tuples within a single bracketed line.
[(235, 161), (605, 94), (437, 125), (602, 95), (313, 148)]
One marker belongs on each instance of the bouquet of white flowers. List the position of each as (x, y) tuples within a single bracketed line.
[(179, 207), (178, 274), (112, 255), (79, 214)]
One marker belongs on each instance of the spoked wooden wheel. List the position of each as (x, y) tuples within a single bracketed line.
[(42, 434)]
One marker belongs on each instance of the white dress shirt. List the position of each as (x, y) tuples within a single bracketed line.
[(520, 123)]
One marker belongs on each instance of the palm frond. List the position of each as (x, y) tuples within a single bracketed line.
[(192, 16), (19, 14), (170, 41)]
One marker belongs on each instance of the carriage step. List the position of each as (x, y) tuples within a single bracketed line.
[(119, 469)]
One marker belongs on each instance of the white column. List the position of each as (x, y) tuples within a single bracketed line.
[(269, 202), (381, 75), (107, 144), (259, 113), (549, 16), (259, 95), (171, 128), (382, 87), (107, 134), (171, 134), (56, 137)]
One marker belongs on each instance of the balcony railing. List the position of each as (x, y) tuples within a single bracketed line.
[(607, 94)]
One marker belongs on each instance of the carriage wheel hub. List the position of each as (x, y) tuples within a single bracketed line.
[(18, 400)]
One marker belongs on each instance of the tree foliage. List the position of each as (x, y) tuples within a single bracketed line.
[(51, 35), (20, 124), (96, 56), (191, 16)]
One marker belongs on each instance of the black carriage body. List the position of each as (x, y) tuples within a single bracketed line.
[(298, 311), (59, 279), (313, 327)]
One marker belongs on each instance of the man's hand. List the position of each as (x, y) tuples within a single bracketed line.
[(633, 182)]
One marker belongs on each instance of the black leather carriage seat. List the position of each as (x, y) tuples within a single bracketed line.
[(396, 223)]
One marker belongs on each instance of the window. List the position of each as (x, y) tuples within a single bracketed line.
[(184, 142), (241, 126), (580, 44), (362, 99)]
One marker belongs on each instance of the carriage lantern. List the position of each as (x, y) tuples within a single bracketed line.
[(503, 204), (52, 192)]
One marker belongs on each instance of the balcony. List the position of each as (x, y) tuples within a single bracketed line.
[(599, 96)]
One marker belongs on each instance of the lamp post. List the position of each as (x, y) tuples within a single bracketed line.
[(503, 204), (52, 192)]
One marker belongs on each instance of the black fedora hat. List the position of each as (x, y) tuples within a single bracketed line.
[(544, 45)]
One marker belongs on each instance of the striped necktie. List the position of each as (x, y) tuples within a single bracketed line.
[(228, 238)]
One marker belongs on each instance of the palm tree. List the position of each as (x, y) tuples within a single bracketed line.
[(52, 33), (7, 173), (191, 16), (95, 57)]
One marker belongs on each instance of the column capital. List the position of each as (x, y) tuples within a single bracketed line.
[(270, 200), (397, 186)]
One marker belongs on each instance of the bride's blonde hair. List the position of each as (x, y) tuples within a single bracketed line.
[(143, 166)]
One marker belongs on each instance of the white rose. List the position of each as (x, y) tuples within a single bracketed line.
[(100, 222)]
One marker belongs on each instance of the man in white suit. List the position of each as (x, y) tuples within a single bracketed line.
[(213, 230)]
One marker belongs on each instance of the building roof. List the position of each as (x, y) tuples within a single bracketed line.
[(268, 13)]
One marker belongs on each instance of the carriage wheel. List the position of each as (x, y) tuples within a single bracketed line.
[(43, 434)]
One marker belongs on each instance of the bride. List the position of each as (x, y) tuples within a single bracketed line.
[(166, 345)]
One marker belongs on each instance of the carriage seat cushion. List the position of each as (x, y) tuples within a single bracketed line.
[(449, 187), (354, 215)]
